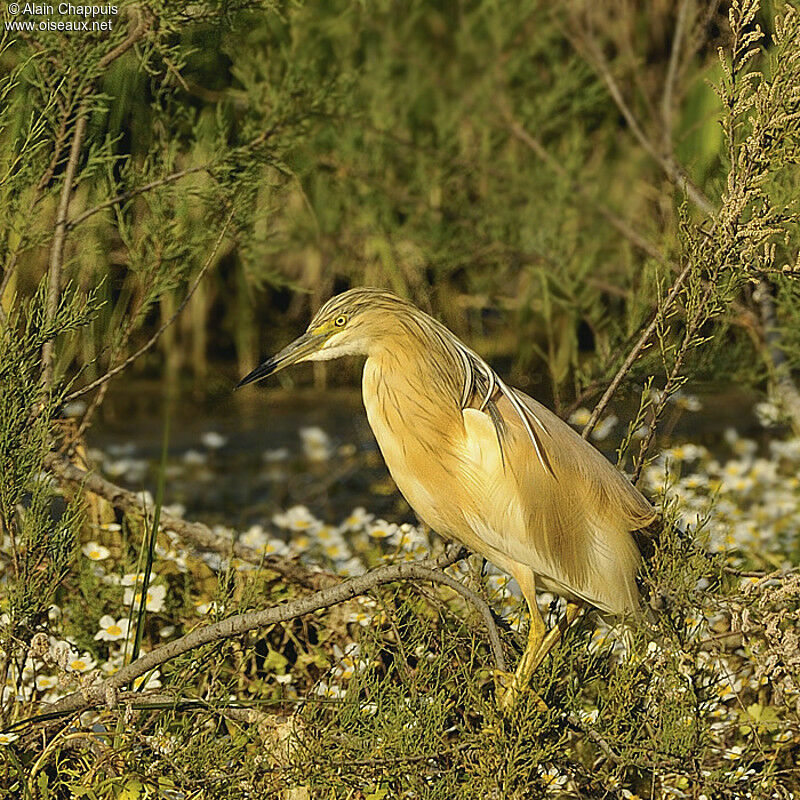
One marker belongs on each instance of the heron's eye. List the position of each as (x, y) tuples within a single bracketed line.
[(340, 321)]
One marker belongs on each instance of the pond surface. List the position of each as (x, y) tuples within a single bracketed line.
[(241, 457)]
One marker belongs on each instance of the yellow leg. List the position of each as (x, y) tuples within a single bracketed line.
[(539, 643), (554, 634), (528, 662)]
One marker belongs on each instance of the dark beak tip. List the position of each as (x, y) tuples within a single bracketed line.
[(262, 371)]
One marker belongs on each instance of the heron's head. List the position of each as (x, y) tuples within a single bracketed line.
[(348, 324)]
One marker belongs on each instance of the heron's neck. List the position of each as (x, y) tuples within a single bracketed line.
[(414, 386)]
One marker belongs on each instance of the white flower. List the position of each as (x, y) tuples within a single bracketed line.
[(194, 458), (689, 402), (497, 583), (551, 777), (349, 663), (155, 598), (580, 416), (297, 518), (300, 543), (382, 529), (112, 630), (44, 682), (8, 738), (410, 538), (255, 536), (133, 579), (337, 551), (768, 414), (145, 497), (327, 534), (95, 551), (353, 566), (316, 444), (174, 509), (604, 427), (113, 527), (323, 689), (82, 663), (114, 664), (284, 679), (212, 440), (361, 617), (279, 454), (358, 519), (696, 481)]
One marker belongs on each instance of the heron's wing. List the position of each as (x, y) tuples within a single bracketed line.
[(570, 524), (582, 466)]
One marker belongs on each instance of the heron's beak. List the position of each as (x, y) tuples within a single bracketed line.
[(300, 349)]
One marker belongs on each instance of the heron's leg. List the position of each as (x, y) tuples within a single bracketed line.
[(555, 633), (536, 637), (539, 644)]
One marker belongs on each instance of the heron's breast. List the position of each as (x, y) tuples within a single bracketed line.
[(416, 439), (446, 464)]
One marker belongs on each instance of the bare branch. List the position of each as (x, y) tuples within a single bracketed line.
[(672, 72), (38, 193), (621, 225), (138, 32), (426, 570), (672, 169), (196, 533), (59, 239)]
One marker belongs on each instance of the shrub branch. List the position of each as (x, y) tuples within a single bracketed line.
[(238, 624)]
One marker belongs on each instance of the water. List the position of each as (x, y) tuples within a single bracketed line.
[(238, 458)]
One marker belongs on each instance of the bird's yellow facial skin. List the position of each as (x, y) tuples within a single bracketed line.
[(329, 327)]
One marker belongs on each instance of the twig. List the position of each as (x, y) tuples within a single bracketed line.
[(777, 362), (157, 335), (154, 699), (673, 170), (673, 380), (196, 533), (38, 193), (426, 570), (59, 236), (123, 196), (579, 725), (672, 72), (134, 36), (623, 226), (643, 340), (59, 239)]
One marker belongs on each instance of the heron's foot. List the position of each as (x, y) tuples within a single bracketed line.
[(510, 688)]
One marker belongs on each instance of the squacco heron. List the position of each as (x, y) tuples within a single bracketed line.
[(483, 463)]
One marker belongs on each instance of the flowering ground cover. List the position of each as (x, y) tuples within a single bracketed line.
[(402, 675)]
